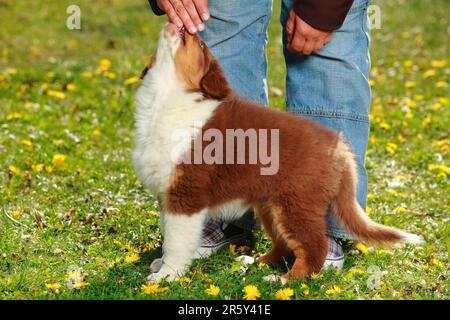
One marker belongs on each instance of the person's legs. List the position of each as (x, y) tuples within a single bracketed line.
[(332, 88), (236, 34)]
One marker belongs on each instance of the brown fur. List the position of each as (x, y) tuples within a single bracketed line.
[(316, 172)]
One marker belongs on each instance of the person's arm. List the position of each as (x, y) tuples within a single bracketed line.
[(325, 15)]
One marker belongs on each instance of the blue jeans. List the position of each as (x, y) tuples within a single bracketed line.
[(330, 87)]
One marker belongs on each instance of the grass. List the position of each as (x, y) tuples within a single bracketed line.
[(72, 210)]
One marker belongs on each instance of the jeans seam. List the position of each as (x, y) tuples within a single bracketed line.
[(331, 114)]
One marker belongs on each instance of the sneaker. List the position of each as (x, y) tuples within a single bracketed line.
[(335, 256), (218, 235)]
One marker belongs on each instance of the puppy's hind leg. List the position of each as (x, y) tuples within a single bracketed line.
[(182, 235)]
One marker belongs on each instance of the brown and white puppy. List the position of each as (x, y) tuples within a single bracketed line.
[(185, 95)]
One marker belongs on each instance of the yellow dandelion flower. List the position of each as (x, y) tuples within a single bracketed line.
[(232, 248), (406, 35), (53, 287), (368, 210), (441, 84), (435, 262), (410, 84), (87, 74), (59, 159), (14, 169), (110, 75), (97, 133), (70, 87), (14, 116), (438, 63), (409, 115), (385, 126), (11, 71), (429, 73), (408, 63), (305, 289), (185, 280), (27, 143), (426, 121), (131, 80), (251, 292), (212, 290), (418, 97), (284, 294), (371, 82), (362, 248), (132, 258), (443, 100), (56, 94), (399, 209), (356, 271), (17, 213), (335, 289), (153, 289), (436, 106), (49, 169), (105, 63), (80, 284), (377, 296), (391, 148)]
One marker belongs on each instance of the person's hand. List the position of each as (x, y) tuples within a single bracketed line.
[(188, 13), (303, 38)]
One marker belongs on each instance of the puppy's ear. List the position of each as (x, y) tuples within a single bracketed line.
[(214, 83), (149, 66)]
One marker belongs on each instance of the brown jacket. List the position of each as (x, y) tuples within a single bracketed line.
[(321, 14)]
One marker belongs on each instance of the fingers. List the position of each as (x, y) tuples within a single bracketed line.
[(170, 11), (309, 47), (202, 9), (180, 10), (290, 26), (193, 14), (297, 44)]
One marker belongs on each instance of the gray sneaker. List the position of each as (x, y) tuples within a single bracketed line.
[(218, 235), (335, 256)]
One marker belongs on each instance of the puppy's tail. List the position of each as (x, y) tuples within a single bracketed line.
[(346, 208)]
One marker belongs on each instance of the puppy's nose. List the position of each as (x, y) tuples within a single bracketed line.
[(171, 28)]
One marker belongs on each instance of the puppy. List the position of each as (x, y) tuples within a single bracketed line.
[(185, 95)]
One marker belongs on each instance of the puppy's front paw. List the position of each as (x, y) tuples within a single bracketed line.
[(164, 273), (156, 265)]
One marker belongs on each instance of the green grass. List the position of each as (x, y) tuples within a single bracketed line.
[(91, 211)]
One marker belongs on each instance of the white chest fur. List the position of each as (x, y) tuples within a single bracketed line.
[(167, 119)]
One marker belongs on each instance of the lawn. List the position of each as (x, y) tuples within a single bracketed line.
[(75, 223)]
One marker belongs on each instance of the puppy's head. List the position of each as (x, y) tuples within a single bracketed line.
[(195, 66)]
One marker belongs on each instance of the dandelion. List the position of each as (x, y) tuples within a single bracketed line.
[(335, 289), (132, 258), (53, 287), (70, 87), (212, 290), (87, 74), (14, 169), (56, 94), (406, 35), (438, 63), (418, 97), (436, 106), (408, 63), (356, 271), (441, 84), (14, 116), (426, 121), (27, 143), (385, 126), (97, 133), (232, 248), (410, 84), (50, 74), (11, 71), (153, 289), (399, 209), (391, 148), (80, 284), (362, 248), (251, 292), (429, 73), (49, 169), (441, 169), (305, 289), (437, 263), (59, 159), (131, 80), (185, 280), (105, 64), (17, 213), (409, 115), (110, 75), (284, 294)]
